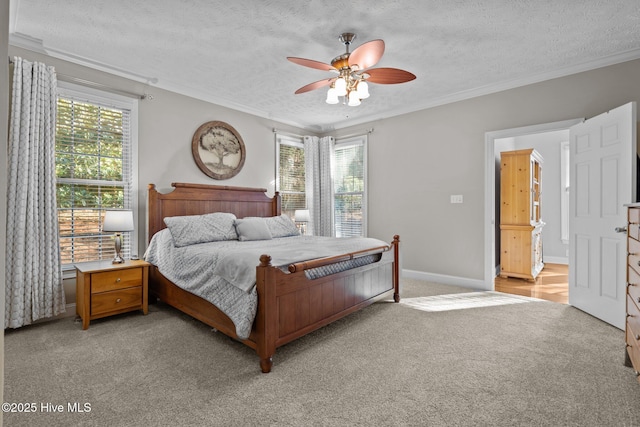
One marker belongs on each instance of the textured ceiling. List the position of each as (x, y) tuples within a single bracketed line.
[(233, 53)]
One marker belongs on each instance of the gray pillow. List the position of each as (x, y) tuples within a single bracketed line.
[(252, 228), (282, 226), (193, 229)]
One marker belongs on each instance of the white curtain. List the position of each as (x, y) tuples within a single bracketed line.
[(33, 272), (319, 185)]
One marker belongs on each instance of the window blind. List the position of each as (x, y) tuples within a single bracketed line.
[(94, 172), (349, 182), (291, 175)]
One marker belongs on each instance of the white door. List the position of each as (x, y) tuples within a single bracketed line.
[(602, 180)]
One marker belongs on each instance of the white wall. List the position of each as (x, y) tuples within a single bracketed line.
[(167, 124), (417, 160)]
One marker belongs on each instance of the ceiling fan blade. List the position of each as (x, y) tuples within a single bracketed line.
[(367, 55), (311, 63), (315, 85), (389, 76)]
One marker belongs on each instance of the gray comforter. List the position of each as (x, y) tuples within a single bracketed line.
[(224, 273)]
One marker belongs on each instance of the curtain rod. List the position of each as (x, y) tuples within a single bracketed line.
[(295, 135), (351, 135), (83, 82)]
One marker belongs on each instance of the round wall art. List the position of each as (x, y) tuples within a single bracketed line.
[(218, 150)]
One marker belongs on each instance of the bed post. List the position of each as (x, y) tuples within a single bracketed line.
[(266, 320), (153, 208), (396, 268), (277, 204)]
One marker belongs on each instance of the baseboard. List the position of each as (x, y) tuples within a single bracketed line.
[(70, 311), (448, 280), (556, 260)]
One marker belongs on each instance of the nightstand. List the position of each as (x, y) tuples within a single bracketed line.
[(104, 289)]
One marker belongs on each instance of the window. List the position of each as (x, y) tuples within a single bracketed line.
[(350, 184), (348, 164), (290, 174), (95, 158)]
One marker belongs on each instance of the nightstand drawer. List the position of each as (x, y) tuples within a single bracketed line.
[(114, 301), (113, 280)]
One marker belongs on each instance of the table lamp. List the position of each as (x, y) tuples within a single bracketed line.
[(302, 216), (118, 221)]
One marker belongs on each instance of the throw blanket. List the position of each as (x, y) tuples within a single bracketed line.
[(224, 273), (238, 263)]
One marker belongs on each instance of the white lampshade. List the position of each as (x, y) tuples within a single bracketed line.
[(332, 96), (302, 215), (363, 90), (341, 86), (354, 101), (118, 220)]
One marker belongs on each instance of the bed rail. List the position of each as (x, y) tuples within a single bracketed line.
[(321, 262)]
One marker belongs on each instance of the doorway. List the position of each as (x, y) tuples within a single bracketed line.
[(551, 284)]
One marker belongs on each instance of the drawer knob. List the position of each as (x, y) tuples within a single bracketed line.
[(637, 337), (118, 279), (118, 300), (637, 373)]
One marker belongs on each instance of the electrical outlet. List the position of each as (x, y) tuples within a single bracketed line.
[(456, 198)]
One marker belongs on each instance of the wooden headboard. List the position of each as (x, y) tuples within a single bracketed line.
[(198, 199)]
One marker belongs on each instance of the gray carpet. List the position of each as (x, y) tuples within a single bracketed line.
[(534, 363)]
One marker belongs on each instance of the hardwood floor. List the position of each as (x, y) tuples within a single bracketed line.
[(552, 284)]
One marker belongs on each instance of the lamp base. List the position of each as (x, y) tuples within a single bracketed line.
[(117, 260), (118, 247)]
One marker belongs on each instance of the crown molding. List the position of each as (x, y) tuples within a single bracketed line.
[(33, 44)]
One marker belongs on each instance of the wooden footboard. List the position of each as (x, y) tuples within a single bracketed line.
[(290, 305)]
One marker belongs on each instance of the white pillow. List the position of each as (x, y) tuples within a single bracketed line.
[(252, 228), (193, 229), (282, 226)]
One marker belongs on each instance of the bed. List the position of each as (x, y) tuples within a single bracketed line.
[(289, 303)]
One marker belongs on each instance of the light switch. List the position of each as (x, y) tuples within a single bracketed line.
[(456, 198)]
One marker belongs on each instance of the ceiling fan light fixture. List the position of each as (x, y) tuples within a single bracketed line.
[(332, 96), (353, 68)]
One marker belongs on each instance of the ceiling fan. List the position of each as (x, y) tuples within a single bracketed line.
[(353, 72)]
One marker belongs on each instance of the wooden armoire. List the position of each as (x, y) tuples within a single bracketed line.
[(520, 216)]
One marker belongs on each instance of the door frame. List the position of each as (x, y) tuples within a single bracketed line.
[(490, 182)]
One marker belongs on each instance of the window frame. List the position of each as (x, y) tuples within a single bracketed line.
[(294, 142), (346, 143), (110, 100)]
